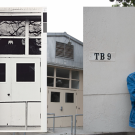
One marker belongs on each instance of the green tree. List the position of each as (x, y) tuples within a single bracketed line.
[(124, 3)]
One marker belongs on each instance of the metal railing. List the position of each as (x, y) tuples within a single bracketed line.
[(66, 116), (53, 119), (75, 121), (26, 109), (14, 133)]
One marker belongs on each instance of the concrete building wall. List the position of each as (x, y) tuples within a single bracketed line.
[(106, 101)]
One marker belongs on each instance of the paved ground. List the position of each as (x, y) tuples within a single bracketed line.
[(66, 131)]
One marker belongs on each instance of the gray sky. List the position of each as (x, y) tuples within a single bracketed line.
[(63, 15)]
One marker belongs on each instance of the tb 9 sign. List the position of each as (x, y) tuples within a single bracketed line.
[(100, 56)]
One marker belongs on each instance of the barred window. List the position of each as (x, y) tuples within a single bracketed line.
[(64, 50)]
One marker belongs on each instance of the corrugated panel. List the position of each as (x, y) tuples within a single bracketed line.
[(69, 51), (59, 49)]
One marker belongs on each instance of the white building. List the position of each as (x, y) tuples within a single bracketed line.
[(109, 57), (22, 49)]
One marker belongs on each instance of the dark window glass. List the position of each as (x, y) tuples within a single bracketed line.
[(12, 28), (64, 73), (55, 96), (69, 97), (62, 83), (25, 72), (75, 84), (50, 81), (35, 46), (12, 46), (35, 28), (50, 71), (75, 74), (2, 72)]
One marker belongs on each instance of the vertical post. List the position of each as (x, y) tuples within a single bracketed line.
[(24, 133), (75, 125), (70, 77), (54, 77), (27, 37), (71, 124), (53, 122), (26, 114), (14, 133)]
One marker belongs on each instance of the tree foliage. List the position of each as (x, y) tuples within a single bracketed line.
[(124, 3)]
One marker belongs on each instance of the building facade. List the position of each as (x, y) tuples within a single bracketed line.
[(21, 52), (64, 78), (109, 57)]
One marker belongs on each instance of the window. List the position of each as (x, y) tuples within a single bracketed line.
[(2, 72), (55, 96), (62, 83), (64, 73), (34, 37), (62, 78), (64, 50), (20, 36), (69, 97), (25, 72), (50, 76), (75, 80)]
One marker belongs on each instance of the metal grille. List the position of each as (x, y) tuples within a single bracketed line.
[(69, 51), (59, 49), (64, 50)]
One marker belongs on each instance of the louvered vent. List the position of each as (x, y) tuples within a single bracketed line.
[(59, 49), (64, 50), (69, 51)]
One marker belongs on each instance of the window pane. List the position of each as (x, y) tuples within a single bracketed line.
[(12, 46), (55, 96), (25, 72), (35, 28), (50, 71), (64, 73), (35, 46), (69, 97), (62, 83), (75, 74), (50, 81), (2, 72), (75, 84), (12, 28)]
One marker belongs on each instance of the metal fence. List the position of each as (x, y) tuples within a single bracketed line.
[(53, 120), (66, 116)]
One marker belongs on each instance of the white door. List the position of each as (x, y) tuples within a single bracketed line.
[(5, 79), (19, 81), (25, 79)]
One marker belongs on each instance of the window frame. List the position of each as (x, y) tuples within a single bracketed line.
[(70, 78), (26, 37)]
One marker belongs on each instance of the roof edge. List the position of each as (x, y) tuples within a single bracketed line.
[(64, 34)]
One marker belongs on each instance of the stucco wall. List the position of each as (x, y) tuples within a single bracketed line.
[(106, 99)]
